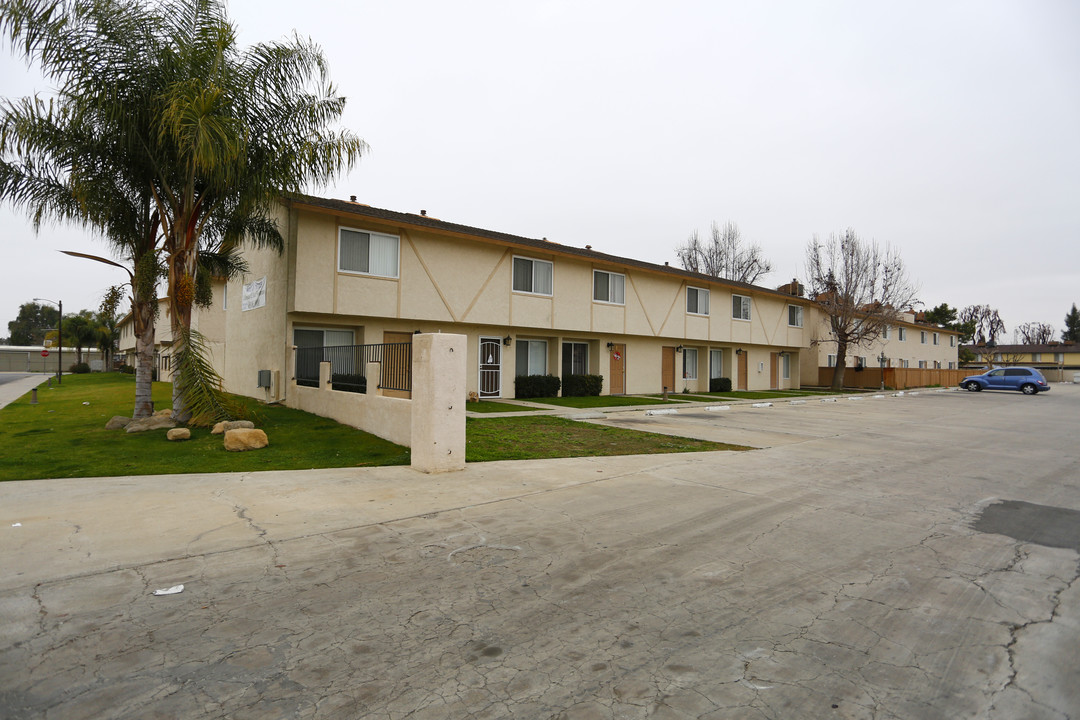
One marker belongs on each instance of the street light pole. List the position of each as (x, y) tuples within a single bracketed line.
[(59, 339), (882, 360)]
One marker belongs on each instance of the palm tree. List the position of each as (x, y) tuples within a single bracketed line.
[(81, 330), (202, 137)]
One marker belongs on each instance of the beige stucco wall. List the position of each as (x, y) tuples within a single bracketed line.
[(910, 349), (388, 417)]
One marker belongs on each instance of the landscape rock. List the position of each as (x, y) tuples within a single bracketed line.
[(178, 434), (224, 425), (154, 422), (165, 412), (117, 422), (245, 439)]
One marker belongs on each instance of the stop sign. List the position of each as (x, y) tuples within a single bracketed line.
[(44, 353)]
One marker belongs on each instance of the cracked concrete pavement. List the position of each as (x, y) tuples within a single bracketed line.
[(849, 570)]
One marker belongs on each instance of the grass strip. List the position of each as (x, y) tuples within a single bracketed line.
[(63, 437), (595, 401), (487, 406), (544, 436)]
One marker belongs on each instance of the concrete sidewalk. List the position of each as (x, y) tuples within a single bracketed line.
[(15, 389), (848, 574)]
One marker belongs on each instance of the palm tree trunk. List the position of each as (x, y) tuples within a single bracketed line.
[(144, 359), (182, 268)]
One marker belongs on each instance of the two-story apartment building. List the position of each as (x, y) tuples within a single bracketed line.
[(907, 343), (352, 274), (1057, 360)]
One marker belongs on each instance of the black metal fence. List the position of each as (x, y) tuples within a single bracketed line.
[(348, 364)]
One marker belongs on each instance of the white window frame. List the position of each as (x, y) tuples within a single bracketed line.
[(699, 294), (745, 310), (1059, 358), (798, 316), (937, 340), (922, 337), (922, 365), (532, 275), (716, 369), (1036, 357), (901, 334), (562, 351), (904, 364), (394, 275), (690, 368), (528, 369), (952, 365), (621, 285), (885, 333), (830, 360)]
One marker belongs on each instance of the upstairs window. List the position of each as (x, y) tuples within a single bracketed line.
[(885, 333), (532, 276), (901, 334), (697, 301), (794, 316), (609, 287), (922, 337), (936, 339), (740, 307), (368, 253)]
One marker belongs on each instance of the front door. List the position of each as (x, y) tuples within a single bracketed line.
[(618, 370), (667, 368), (744, 369), (490, 367), (774, 371)]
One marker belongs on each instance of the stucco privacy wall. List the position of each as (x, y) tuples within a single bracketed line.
[(387, 417)]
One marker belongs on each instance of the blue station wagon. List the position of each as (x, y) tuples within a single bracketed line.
[(1027, 380)]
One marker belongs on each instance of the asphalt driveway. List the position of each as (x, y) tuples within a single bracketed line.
[(908, 557)]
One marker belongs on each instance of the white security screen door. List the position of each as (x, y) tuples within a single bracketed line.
[(490, 367)]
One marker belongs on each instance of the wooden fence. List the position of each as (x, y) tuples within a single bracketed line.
[(895, 378)]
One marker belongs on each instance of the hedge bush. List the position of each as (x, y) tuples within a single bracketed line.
[(349, 382), (582, 385), (79, 368), (529, 386), (127, 369), (720, 385)]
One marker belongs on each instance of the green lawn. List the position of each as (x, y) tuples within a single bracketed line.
[(62, 437), (595, 401), (487, 406), (544, 436)]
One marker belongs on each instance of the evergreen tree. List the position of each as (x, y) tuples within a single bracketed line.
[(1071, 334)]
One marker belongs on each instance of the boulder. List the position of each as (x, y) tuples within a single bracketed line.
[(167, 412), (117, 422), (224, 425), (177, 434), (245, 439), (154, 422)]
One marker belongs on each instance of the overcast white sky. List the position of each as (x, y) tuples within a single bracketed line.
[(950, 130)]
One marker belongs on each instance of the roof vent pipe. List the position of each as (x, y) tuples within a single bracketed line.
[(352, 198), (423, 213)]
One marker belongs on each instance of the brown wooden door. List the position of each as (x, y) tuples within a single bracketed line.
[(744, 365), (774, 371), (396, 364), (617, 382), (667, 368)]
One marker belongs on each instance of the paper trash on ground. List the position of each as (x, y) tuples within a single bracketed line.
[(170, 591)]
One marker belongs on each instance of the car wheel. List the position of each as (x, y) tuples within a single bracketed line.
[(973, 386), (1028, 389)]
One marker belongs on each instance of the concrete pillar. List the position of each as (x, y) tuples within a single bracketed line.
[(438, 402), (324, 376), (373, 377)]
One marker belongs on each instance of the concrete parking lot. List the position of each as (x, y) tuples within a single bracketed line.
[(901, 557)]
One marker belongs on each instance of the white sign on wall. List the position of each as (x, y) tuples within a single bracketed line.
[(254, 295)]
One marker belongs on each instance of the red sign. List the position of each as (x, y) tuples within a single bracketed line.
[(44, 353)]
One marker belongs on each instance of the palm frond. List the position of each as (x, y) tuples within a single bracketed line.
[(204, 399)]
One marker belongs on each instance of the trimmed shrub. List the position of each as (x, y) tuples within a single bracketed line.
[(349, 382), (720, 385), (79, 368), (530, 386), (127, 369), (582, 385)]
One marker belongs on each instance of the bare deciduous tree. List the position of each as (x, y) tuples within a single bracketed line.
[(987, 322), (860, 287), (724, 256), (1034, 333)]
